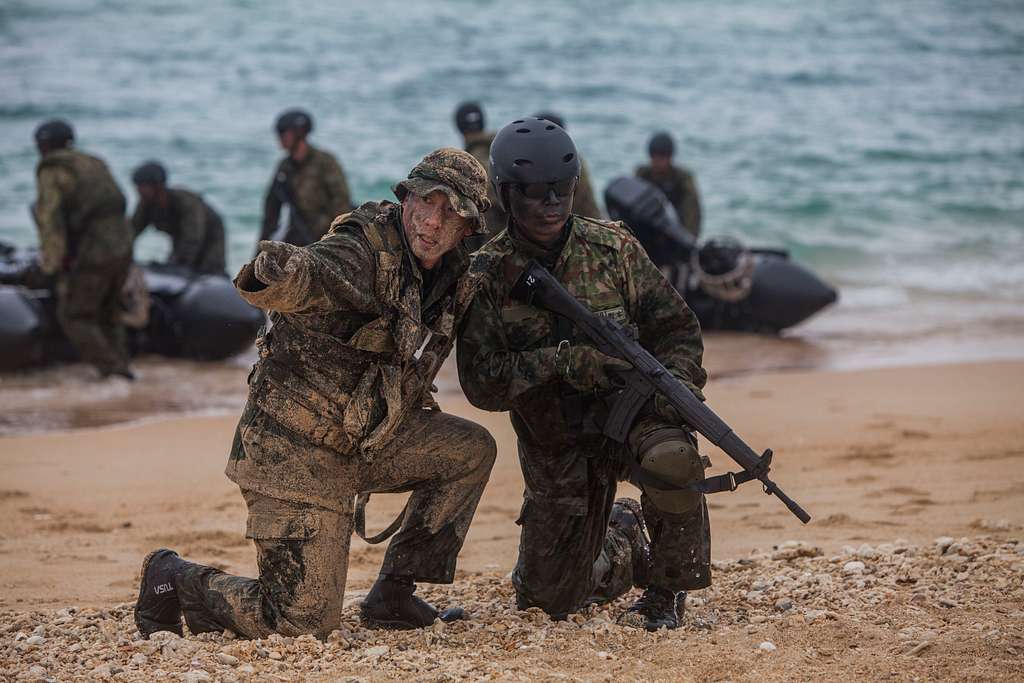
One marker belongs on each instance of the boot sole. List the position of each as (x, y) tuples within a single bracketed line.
[(143, 631)]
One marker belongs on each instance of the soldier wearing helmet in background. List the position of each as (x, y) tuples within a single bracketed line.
[(579, 545), (676, 182), (85, 240), (196, 230), (584, 202), (340, 405), (469, 119), (308, 182)]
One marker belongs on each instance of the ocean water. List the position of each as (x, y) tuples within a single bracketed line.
[(881, 143)]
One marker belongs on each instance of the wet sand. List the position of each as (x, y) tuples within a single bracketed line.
[(909, 453)]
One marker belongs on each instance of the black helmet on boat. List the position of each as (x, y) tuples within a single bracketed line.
[(532, 150), (469, 118), (54, 133), (294, 119), (552, 117), (661, 145), (150, 173)]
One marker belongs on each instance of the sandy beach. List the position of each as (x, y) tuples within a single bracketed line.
[(884, 460)]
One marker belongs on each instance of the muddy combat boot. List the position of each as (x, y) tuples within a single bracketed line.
[(656, 608), (628, 517), (157, 608), (391, 604)]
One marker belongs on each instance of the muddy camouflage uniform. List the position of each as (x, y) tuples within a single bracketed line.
[(583, 203), (681, 189), (320, 193), (567, 554), (86, 241), (340, 404), (196, 230)]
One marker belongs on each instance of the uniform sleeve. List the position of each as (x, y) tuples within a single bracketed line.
[(271, 209), (336, 273), (493, 377), (54, 184), (690, 211), (140, 219), (337, 189), (668, 328), (188, 241)]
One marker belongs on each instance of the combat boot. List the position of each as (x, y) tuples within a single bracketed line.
[(627, 516), (391, 604), (157, 608), (656, 608)]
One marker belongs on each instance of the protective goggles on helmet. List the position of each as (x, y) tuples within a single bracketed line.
[(562, 188)]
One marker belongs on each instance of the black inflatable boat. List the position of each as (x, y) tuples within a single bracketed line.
[(190, 315), (728, 286)]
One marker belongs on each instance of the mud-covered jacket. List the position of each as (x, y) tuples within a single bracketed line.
[(339, 366), (316, 186), (507, 349), (196, 230), (79, 213), (681, 189)]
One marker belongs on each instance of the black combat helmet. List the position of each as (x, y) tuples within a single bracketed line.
[(552, 117), (532, 150), (150, 173), (661, 145), (469, 118), (54, 133), (294, 119)]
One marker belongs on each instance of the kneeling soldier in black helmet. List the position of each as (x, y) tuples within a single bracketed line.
[(308, 182), (196, 230), (339, 406), (579, 545)]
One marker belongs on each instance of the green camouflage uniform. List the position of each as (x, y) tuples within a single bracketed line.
[(320, 194), (85, 240), (681, 189), (196, 230), (340, 404), (567, 554), (584, 202)]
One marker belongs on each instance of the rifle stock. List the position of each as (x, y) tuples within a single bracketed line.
[(538, 287)]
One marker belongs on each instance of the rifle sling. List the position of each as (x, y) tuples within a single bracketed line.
[(717, 484), (360, 521)]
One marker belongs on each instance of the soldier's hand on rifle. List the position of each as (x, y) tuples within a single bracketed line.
[(276, 261), (587, 369)]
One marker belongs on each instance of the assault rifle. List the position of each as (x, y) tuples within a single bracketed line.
[(538, 287)]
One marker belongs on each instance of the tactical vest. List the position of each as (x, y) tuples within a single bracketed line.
[(95, 194), (381, 378)]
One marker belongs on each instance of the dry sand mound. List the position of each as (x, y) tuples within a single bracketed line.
[(950, 611)]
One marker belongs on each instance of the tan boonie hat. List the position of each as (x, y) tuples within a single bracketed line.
[(458, 175)]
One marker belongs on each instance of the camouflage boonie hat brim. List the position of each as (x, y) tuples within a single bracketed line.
[(458, 175)]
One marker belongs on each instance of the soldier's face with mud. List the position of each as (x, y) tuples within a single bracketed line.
[(432, 226), (541, 210)]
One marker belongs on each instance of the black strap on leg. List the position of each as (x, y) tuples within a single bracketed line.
[(359, 519), (717, 484)]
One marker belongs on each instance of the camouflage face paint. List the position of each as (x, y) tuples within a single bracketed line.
[(540, 219)]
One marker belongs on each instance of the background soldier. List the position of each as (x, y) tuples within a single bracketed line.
[(676, 182), (339, 405), (86, 242), (578, 544), (584, 202), (196, 230), (308, 181), (469, 119)]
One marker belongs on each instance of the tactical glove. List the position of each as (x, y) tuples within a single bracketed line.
[(277, 261), (586, 369)]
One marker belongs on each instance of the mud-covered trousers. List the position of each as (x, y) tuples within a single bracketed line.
[(302, 549), (89, 312), (568, 555)]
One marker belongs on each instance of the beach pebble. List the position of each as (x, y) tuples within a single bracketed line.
[(226, 659), (783, 604), (35, 641), (376, 651), (853, 567), (767, 646), (139, 659), (37, 673), (195, 676), (943, 543)]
